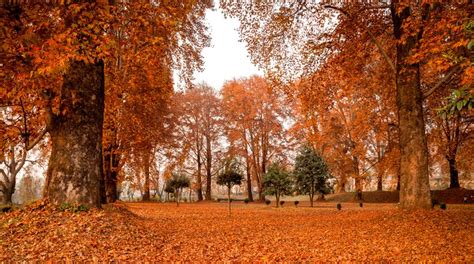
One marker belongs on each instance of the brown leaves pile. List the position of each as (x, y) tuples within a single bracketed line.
[(204, 232)]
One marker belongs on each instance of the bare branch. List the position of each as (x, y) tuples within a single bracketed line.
[(6, 179), (20, 165)]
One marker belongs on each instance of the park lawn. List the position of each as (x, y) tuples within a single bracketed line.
[(255, 232)]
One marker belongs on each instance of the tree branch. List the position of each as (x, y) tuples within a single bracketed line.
[(37, 140), (441, 82), (4, 176), (50, 116), (372, 37), (20, 165)]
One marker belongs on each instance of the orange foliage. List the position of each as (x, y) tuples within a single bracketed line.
[(138, 232), (255, 119)]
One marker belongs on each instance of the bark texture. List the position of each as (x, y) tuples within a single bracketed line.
[(75, 165), (414, 177), (7, 195)]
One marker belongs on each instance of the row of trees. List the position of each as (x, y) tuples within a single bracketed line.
[(374, 73), (96, 78), (244, 122), (248, 122), (310, 176)]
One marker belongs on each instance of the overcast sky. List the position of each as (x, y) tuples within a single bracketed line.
[(227, 58)]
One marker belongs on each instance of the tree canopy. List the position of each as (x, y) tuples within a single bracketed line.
[(311, 173)]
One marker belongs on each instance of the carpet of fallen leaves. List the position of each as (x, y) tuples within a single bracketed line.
[(255, 232)]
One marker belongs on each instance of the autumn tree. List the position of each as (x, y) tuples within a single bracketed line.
[(254, 117), (200, 125), (311, 173), (176, 184), (347, 117), (286, 39), (71, 43), (139, 119), (22, 130), (277, 181), (229, 178), (452, 127)]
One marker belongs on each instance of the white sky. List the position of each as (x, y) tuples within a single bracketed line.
[(227, 58)]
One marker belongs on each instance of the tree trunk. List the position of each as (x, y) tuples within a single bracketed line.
[(261, 196), (398, 181), (343, 187), (102, 189), (311, 198), (277, 200), (228, 198), (7, 196), (358, 180), (146, 169), (199, 179), (380, 183), (75, 165), (8, 186), (453, 173), (177, 197), (249, 182), (208, 168), (414, 181), (358, 185), (111, 162)]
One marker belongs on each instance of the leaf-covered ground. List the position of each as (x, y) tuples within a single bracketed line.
[(255, 232)]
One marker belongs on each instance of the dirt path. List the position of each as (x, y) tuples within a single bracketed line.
[(204, 232)]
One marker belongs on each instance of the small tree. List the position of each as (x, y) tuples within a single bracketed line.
[(168, 189), (229, 178), (277, 182), (176, 184), (311, 173)]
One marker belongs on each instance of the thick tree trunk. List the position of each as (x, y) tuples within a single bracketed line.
[(8, 187), (277, 200), (311, 199), (75, 165), (453, 173), (414, 181), (7, 196)]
